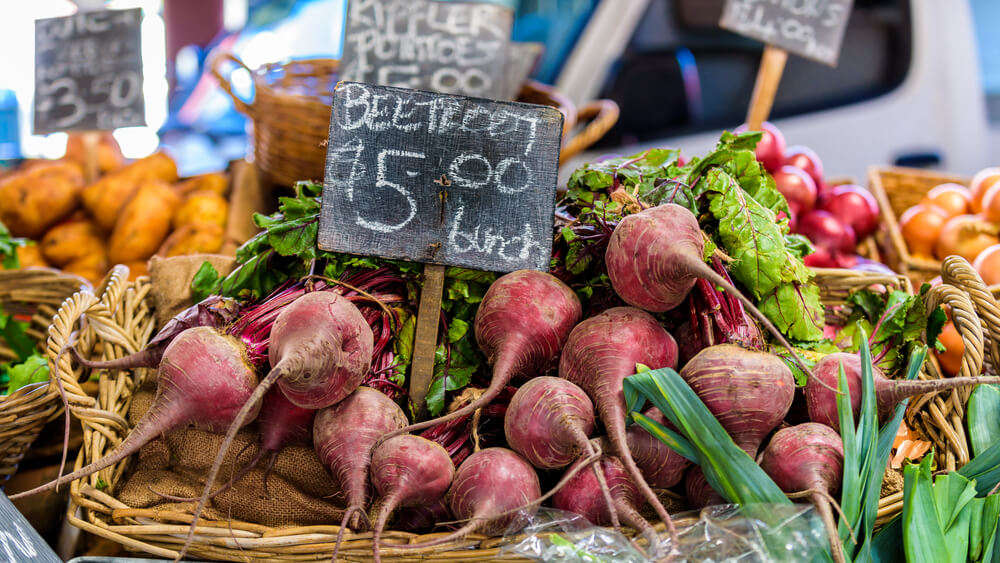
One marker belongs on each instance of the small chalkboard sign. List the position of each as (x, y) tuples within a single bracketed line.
[(19, 542), (440, 179), (813, 30), (88, 72), (449, 47)]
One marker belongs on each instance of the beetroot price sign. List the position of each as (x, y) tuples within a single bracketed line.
[(813, 29), (440, 179), (451, 47), (88, 72)]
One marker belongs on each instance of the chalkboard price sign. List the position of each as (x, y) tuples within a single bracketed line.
[(19, 542), (813, 29), (440, 179), (88, 72), (450, 47)]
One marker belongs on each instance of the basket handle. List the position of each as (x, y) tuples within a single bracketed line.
[(603, 115), (967, 323), (957, 271), (215, 68)]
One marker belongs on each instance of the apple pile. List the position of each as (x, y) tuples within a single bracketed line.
[(834, 218), (953, 219)]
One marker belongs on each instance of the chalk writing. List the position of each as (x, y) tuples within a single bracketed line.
[(439, 178), (810, 28)]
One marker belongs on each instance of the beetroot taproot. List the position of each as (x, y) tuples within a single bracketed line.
[(821, 398), (808, 458), (408, 471), (599, 354), (661, 466), (202, 381), (582, 495)]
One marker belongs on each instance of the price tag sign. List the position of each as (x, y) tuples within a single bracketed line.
[(813, 29), (88, 72), (19, 542), (450, 47), (440, 179)]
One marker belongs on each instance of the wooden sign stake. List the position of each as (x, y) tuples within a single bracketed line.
[(772, 65), (425, 338)]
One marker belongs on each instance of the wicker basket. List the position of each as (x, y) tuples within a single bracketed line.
[(291, 115), (898, 189), (36, 294)]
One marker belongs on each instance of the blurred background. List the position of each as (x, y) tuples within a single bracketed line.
[(918, 81)]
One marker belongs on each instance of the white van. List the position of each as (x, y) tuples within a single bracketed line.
[(908, 89)]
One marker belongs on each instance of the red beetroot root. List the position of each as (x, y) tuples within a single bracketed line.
[(808, 457), (549, 422), (344, 435), (521, 325), (661, 466), (599, 354), (582, 495), (408, 471), (203, 381), (822, 401), (494, 489), (748, 392)]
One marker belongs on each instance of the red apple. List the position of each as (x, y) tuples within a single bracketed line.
[(771, 148), (797, 187), (826, 231), (806, 159), (854, 206)]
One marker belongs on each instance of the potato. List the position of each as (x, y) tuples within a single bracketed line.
[(215, 182), (30, 256), (105, 198), (92, 267), (137, 269), (33, 201), (72, 240), (143, 224), (109, 154), (202, 238), (202, 208)]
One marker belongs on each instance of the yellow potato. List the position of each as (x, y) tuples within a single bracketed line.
[(29, 256), (215, 182), (202, 208), (105, 198), (72, 240), (202, 238), (92, 268), (33, 201), (137, 269), (143, 224), (109, 154)]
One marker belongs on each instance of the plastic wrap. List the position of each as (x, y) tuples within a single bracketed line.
[(716, 534)]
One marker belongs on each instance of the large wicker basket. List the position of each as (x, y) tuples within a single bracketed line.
[(897, 189), (32, 294), (122, 321), (291, 115)]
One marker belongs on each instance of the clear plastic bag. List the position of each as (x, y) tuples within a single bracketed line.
[(717, 534)]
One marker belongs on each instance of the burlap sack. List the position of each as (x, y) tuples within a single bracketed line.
[(171, 281), (176, 465)]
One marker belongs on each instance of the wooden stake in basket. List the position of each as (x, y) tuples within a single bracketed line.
[(425, 339), (814, 34), (91, 142)]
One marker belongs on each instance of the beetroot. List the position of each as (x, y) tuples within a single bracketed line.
[(549, 421), (203, 381), (320, 350), (805, 159), (748, 392), (599, 354), (656, 256), (521, 325), (406, 471), (828, 232), (661, 466), (808, 457), (343, 436), (699, 493), (493, 489), (854, 206), (771, 148), (822, 401), (582, 495), (214, 312)]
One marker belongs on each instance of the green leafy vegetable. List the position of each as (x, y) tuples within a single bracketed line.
[(34, 369), (8, 248), (896, 321)]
